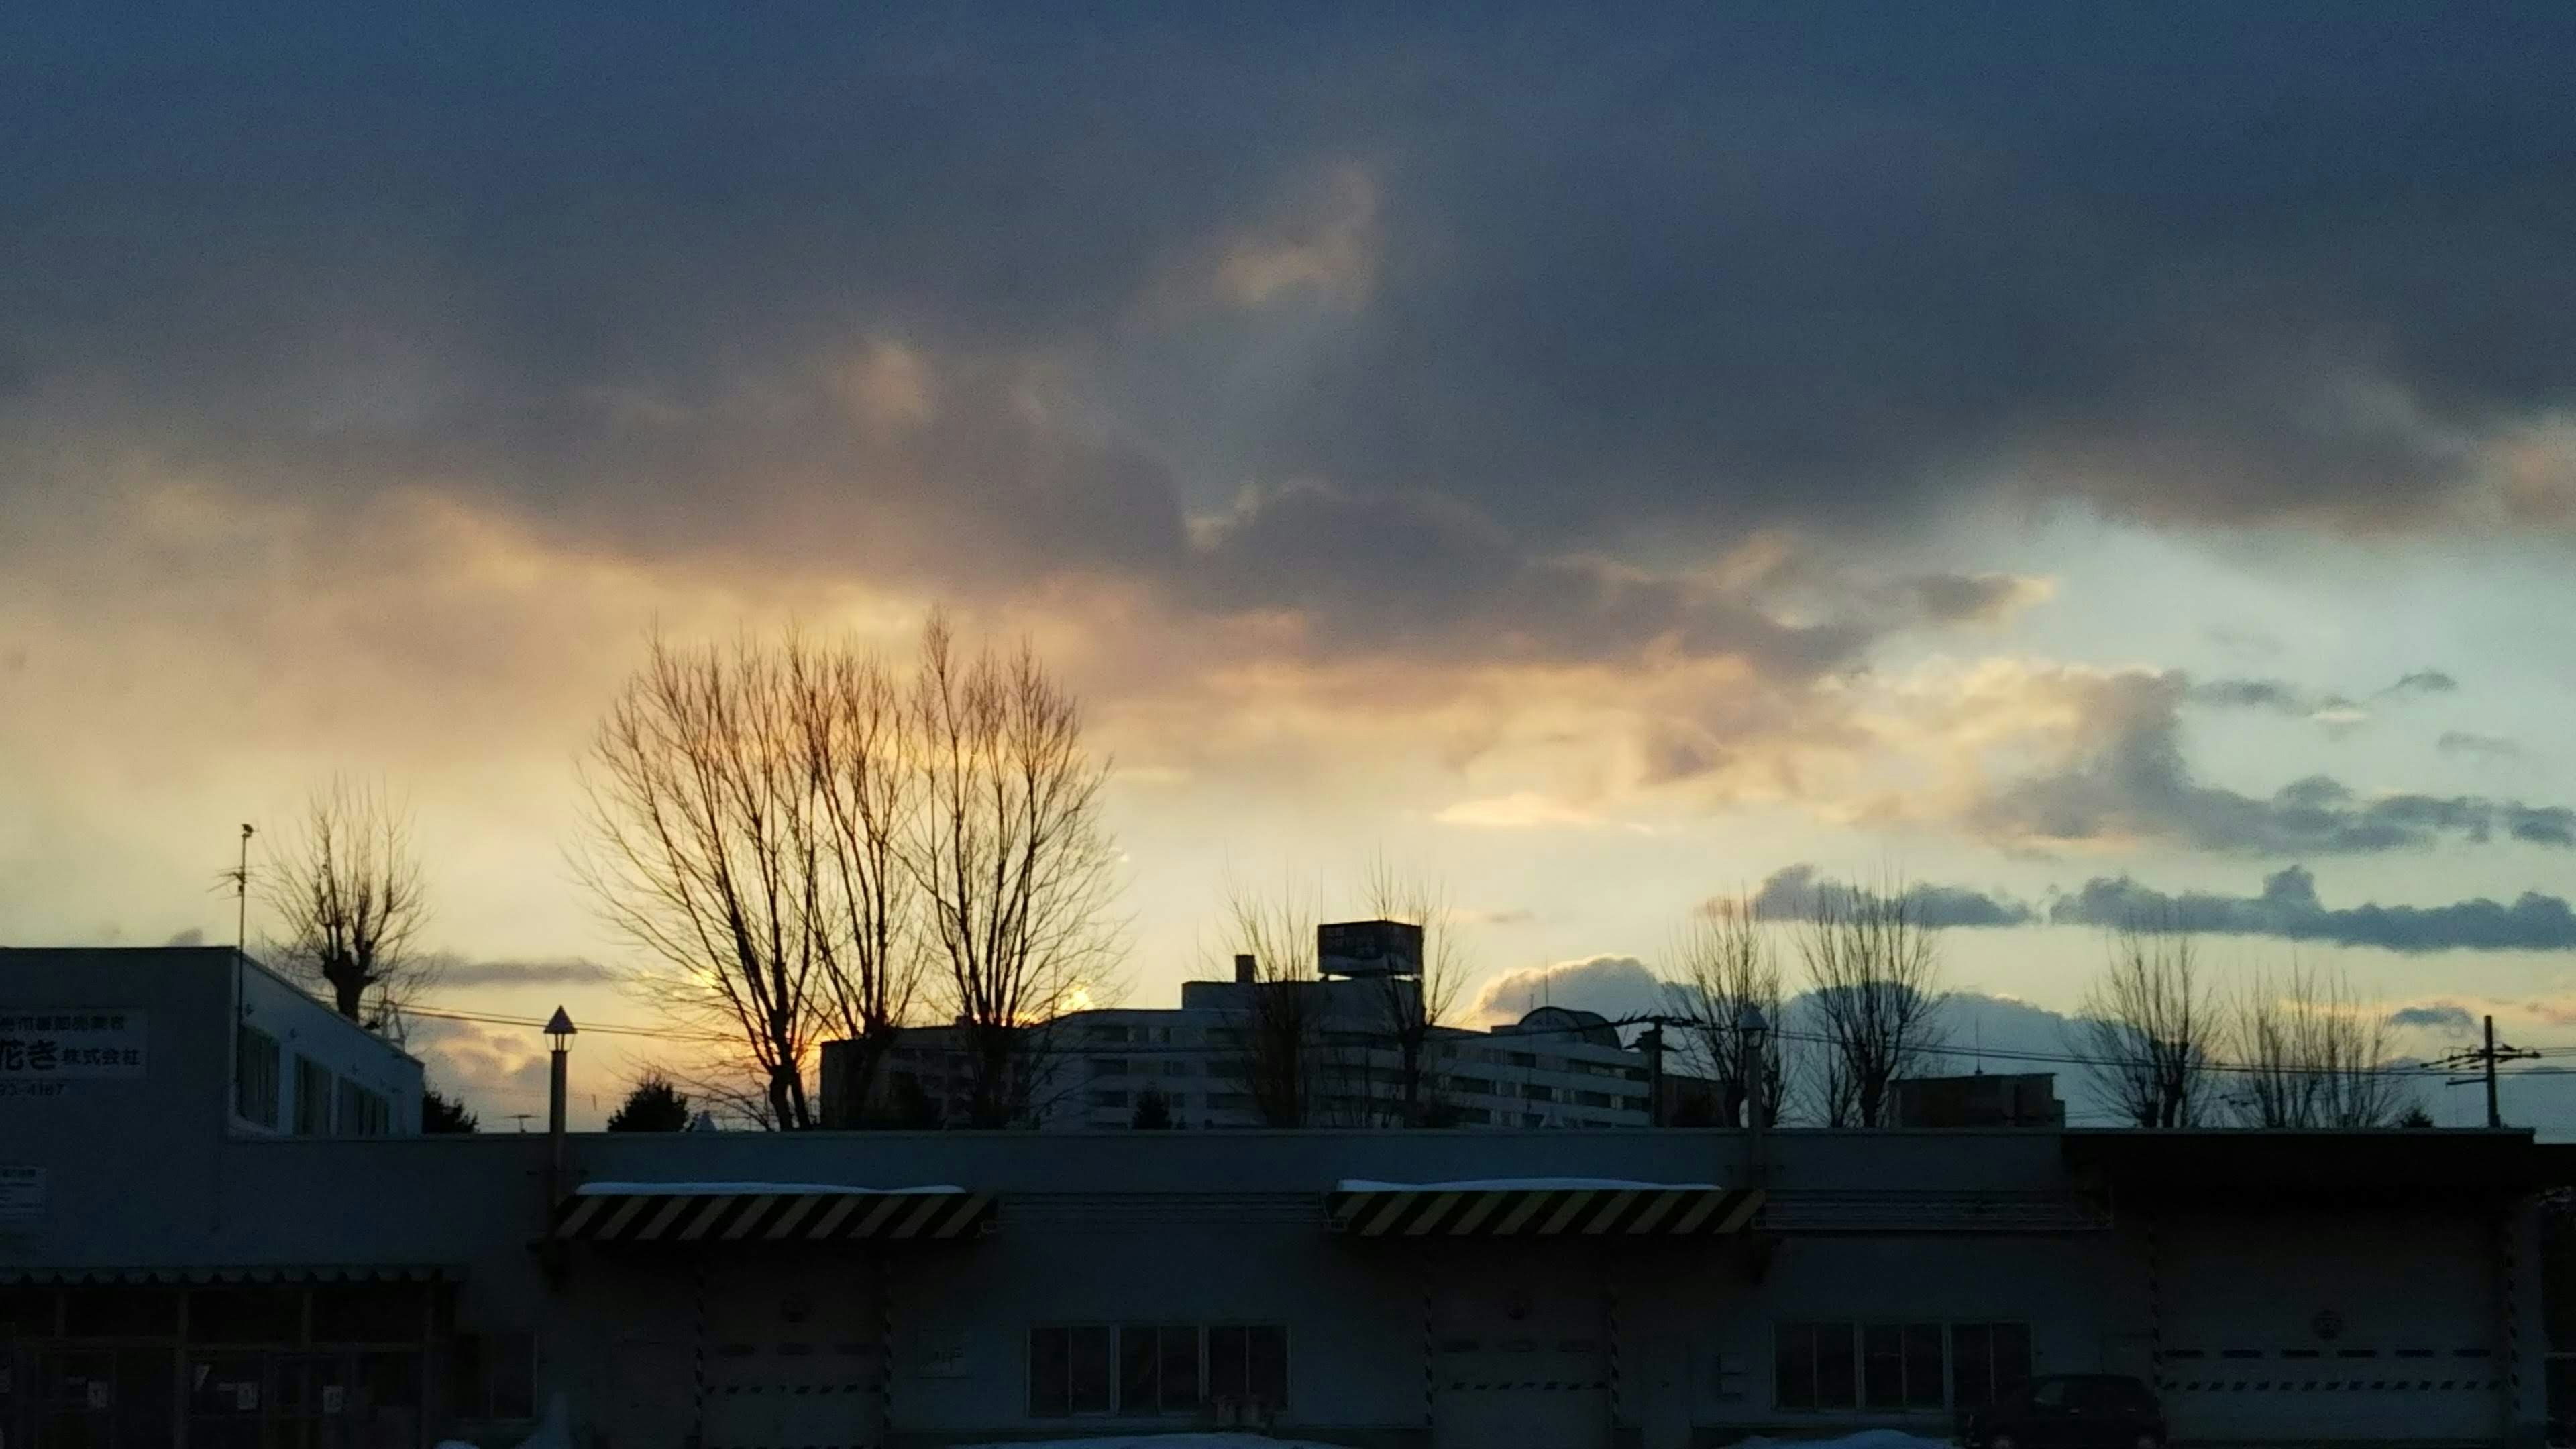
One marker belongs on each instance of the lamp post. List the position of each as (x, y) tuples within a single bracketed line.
[(1750, 1030), (559, 1035)]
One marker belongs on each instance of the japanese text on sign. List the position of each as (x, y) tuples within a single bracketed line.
[(50, 1043)]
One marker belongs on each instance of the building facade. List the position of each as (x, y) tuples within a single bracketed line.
[(1555, 1067), (214, 1283)]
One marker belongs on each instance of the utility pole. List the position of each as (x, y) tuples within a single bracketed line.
[(1653, 1042), (241, 894), (2485, 1059)]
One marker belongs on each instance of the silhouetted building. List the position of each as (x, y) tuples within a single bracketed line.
[(2026, 1099), (172, 1274)]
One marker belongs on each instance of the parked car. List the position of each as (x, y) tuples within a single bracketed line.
[(2069, 1411)]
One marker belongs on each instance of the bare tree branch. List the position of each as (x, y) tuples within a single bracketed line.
[(2314, 1055), (1874, 983), (347, 894), (1723, 962), (2146, 1026), (1278, 1039), (1413, 1009), (704, 851), (1015, 868)]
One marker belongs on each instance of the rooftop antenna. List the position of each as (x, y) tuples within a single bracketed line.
[(239, 876)]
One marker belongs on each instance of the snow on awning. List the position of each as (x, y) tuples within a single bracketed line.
[(1538, 1207), (719, 1213), (238, 1273)]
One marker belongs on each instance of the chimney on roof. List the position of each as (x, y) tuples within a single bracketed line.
[(1246, 970)]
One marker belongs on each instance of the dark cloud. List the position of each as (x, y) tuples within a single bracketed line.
[(2288, 908), (1601, 290), (2424, 681), (455, 972), (2438, 1016), (2127, 779), (2478, 747), (2276, 695), (1970, 598), (1792, 893)]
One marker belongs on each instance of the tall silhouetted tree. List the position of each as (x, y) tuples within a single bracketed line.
[(440, 1113), (1153, 1111), (651, 1105), (2146, 1027), (1015, 866), (1277, 1034), (1412, 1010), (345, 887), (1724, 963), (1874, 986), (2312, 1054)]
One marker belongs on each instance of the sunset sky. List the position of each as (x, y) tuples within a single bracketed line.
[(1606, 459)]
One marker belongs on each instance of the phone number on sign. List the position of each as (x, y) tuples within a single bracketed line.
[(31, 1089)]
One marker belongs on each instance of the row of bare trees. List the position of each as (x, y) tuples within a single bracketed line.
[(2294, 1048), (1870, 1014), (808, 842)]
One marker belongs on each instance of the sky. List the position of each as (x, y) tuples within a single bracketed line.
[(2065, 461)]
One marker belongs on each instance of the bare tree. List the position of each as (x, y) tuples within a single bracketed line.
[(1874, 987), (704, 851), (2313, 1055), (1278, 1041), (1016, 870), (866, 787), (1412, 1010), (2146, 1026), (346, 891), (1722, 964)]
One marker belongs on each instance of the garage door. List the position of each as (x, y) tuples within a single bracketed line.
[(791, 1358), (1520, 1356), (2367, 1329)]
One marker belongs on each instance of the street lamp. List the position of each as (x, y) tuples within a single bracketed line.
[(1750, 1030), (559, 1035)]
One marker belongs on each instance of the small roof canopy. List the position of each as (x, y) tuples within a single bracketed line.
[(1539, 1208), (720, 1214)]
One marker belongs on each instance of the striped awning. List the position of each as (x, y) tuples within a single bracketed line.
[(682, 1214), (1643, 1211)]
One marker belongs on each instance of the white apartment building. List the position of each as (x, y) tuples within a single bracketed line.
[(1554, 1067)]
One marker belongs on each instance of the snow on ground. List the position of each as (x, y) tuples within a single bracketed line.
[(1524, 1184), (1162, 1441), (1864, 1440), (745, 1189)]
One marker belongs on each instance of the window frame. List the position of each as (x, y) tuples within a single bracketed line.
[(2001, 1378), (250, 1044)]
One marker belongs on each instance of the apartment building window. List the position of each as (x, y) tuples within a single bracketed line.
[(1109, 1099), (1897, 1367), (1180, 1069), (1108, 1067), (1537, 1092), (1524, 1059), (255, 1076), (312, 1098), (1103, 1032)]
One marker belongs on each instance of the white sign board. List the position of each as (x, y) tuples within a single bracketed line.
[(22, 1195), (43, 1047)]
